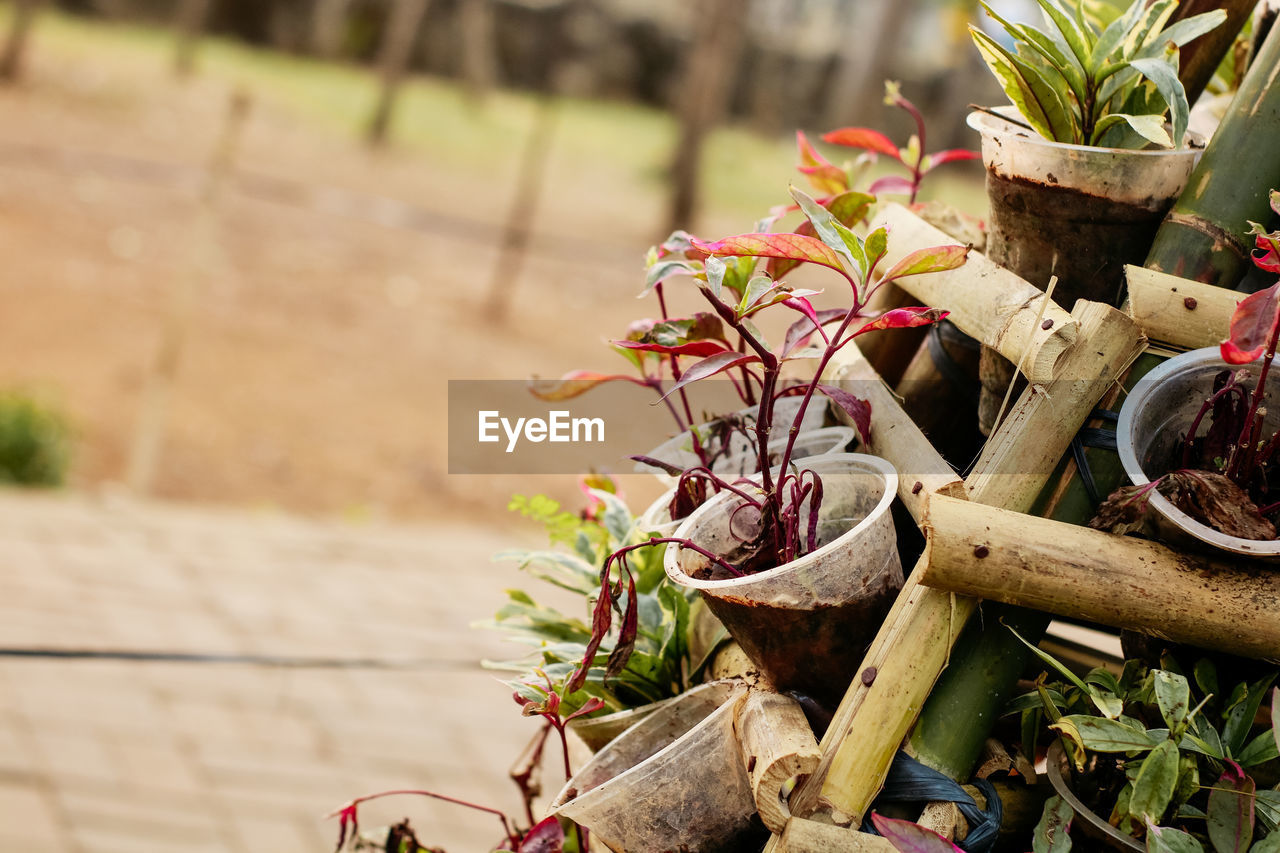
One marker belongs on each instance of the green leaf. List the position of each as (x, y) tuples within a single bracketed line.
[(1261, 749), (1275, 715), (1164, 73), (1149, 127), (1154, 17), (927, 260), (1069, 31), (715, 268), (1156, 782), (1051, 661), (1164, 839), (1235, 732), (825, 226), (1173, 695), (1038, 102), (1270, 844), (1267, 805), (1102, 735), (1184, 31), (1114, 35), (1230, 812), (1052, 833), (1055, 57)]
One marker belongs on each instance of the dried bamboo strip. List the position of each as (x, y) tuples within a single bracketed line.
[(1178, 311), (985, 300), (808, 836), (1229, 605), (777, 746), (894, 436), (913, 645)]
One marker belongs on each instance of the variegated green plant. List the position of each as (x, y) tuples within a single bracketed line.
[(1086, 80)]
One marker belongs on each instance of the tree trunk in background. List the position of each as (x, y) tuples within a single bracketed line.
[(192, 15), (700, 101), (24, 14), (398, 40), (475, 25), (1200, 58), (329, 27), (866, 61)]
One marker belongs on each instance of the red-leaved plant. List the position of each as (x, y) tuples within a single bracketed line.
[(726, 274), (1224, 478)]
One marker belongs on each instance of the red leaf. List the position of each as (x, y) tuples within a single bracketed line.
[(801, 329), (711, 366), (1267, 253), (601, 620), (573, 384), (855, 407), (908, 837), (892, 184), (699, 348), (903, 318), (796, 247), (626, 634), (937, 158), (1252, 325), (863, 137), (931, 259), (546, 837)]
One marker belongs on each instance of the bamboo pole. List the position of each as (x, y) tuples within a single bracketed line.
[(777, 746), (399, 35), (985, 300), (1203, 237), (1222, 604), (1178, 311), (1200, 58), (894, 436), (914, 643), (15, 47)]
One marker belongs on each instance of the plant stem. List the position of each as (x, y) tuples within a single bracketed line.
[(1250, 435), (506, 824)]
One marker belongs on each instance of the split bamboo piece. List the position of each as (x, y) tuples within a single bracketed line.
[(914, 643), (985, 300), (1179, 311), (1228, 605), (894, 436), (809, 836), (777, 746)]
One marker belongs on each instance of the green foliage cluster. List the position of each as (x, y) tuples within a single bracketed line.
[(1095, 76), (1162, 755), (35, 441), (670, 650)]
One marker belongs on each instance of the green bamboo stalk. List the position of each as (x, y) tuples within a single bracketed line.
[(1203, 237)]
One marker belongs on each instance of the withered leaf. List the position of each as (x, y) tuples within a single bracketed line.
[(1124, 510), (1215, 500)]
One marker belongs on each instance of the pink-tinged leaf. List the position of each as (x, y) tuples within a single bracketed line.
[(855, 407), (800, 331), (863, 137), (891, 184), (711, 366), (1266, 255), (796, 247), (938, 158), (1275, 201), (847, 208), (903, 318), (595, 703), (573, 384), (825, 177), (931, 259), (601, 620), (698, 348), (1230, 811), (908, 837), (546, 837), (1252, 325)]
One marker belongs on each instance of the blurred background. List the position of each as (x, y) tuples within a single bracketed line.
[(245, 244)]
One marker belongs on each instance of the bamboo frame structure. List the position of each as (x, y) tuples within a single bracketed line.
[(1179, 311), (777, 746), (984, 300), (914, 644), (1228, 605)]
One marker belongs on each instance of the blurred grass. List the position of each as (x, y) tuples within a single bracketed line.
[(744, 173)]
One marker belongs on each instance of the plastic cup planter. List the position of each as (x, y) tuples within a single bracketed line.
[(818, 442), (1153, 420), (675, 781), (1074, 211), (807, 624)]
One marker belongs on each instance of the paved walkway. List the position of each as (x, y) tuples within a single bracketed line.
[(98, 756)]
